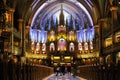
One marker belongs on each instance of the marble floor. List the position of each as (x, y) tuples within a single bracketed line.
[(63, 77)]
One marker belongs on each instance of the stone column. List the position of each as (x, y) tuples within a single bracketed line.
[(97, 32), (113, 10), (20, 25), (104, 26), (20, 22), (97, 29), (101, 28), (11, 20), (26, 38), (23, 39)]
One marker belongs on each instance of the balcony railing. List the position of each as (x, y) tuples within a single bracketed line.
[(112, 48)]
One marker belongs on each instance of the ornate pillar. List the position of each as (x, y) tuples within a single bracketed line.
[(113, 10), (26, 38), (20, 22), (97, 29), (23, 39), (101, 29), (104, 26), (97, 37), (20, 25), (11, 20)]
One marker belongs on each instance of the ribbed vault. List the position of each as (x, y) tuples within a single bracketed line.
[(48, 9)]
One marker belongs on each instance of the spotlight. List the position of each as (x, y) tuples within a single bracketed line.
[(119, 2)]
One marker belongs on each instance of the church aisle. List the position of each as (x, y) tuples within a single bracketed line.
[(63, 77)]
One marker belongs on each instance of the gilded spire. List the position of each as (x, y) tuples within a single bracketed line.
[(71, 23), (61, 16)]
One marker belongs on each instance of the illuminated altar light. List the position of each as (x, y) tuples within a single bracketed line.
[(51, 36), (52, 47), (44, 47), (58, 49), (61, 35), (86, 46), (61, 44), (64, 49), (80, 47), (91, 46), (38, 47), (71, 36), (44, 37), (32, 46), (7, 17), (71, 47)]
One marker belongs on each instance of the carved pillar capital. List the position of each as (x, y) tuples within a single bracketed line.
[(20, 20), (11, 10), (113, 8)]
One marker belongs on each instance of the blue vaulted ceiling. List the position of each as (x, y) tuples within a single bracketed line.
[(52, 8)]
